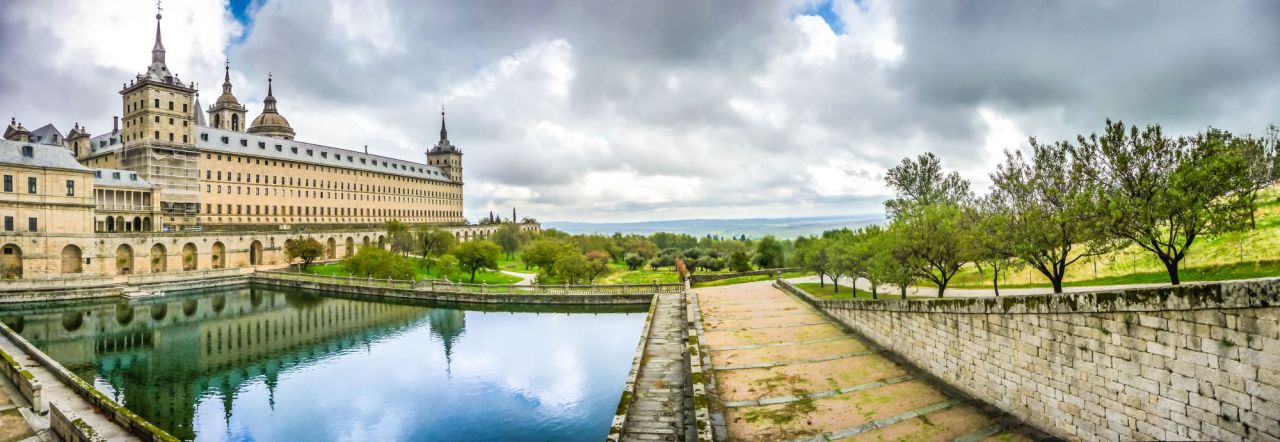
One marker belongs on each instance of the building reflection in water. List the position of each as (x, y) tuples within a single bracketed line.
[(160, 357)]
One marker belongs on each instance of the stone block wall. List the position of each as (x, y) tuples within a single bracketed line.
[(1200, 361)]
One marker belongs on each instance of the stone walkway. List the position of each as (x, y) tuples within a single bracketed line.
[(525, 278), (784, 372), (53, 390), (658, 410), (14, 413)]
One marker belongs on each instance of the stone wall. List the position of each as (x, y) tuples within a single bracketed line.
[(708, 277), (1200, 361)]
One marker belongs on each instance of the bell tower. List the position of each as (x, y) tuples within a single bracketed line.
[(227, 113), (158, 135)]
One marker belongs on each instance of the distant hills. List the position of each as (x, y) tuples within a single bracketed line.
[(752, 227)]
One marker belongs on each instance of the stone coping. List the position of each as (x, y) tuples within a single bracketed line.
[(629, 388), (478, 298), (1249, 293), (699, 372), (111, 409)]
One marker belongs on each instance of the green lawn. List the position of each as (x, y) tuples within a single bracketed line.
[(486, 277), (643, 276), (829, 292), (515, 264), (745, 279), (1245, 270)]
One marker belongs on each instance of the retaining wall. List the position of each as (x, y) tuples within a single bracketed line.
[(1199, 361), (491, 298)]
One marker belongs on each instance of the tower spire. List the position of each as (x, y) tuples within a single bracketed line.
[(270, 102), (444, 134), (157, 52), (226, 77)]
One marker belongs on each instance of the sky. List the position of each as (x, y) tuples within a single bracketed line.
[(625, 111)]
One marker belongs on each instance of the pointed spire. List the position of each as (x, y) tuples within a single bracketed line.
[(444, 134), (269, 102), (157, 52), (226, 77)]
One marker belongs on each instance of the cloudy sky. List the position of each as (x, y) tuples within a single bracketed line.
[(641, 110)]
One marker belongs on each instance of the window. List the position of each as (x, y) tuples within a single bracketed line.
[(31, 184), (170, 121), (71, 188), (170, 105), (157, 118), (8, 227), (157, 102), (204, 137), (28, 151), (184, 137), (184, 108), (244, 142), (157, 135), (225, 140), (31, 225)]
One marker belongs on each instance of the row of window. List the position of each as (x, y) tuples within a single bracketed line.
[(261, 191), (33, 187), (32, 224), (140, 103), (320, 184), (323, 154), (256, 209)]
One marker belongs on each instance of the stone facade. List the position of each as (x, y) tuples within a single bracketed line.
[(1199, 361), (54, 255)]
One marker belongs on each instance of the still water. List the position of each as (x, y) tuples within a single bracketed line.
[(258, 363)]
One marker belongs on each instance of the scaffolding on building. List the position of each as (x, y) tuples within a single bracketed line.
[(174, 170)]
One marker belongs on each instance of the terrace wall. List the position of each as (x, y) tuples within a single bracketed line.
[(1199, 361)]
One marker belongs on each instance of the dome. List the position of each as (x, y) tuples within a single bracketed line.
[(227, 98), (269, 120)]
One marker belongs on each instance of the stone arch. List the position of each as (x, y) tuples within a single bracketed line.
[(124, 314), (72, 321), (382, 241), (218, 259), (189, 307), (159, 311), (287, 244), (120, 225), (124, 259), (366, 241), (146, 224), (351, 245), (11, 262), (111, 224), (190, 258), (255, 253), (219, 303), (159, 262), (71, 260), (137, 224), (332, 250)]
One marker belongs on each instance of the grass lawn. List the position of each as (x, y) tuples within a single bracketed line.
[(846, 292), (514, 264), (1245, 270), (754, 278), (642, 276), (487, 277)]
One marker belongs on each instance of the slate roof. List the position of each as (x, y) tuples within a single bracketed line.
[(42, 155), (45, 135), (118, 178), (293, 150)]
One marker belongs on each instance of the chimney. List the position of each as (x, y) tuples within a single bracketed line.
[(366, 149), (115, 125)]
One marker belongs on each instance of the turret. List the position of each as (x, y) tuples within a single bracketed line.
[(445, 155)]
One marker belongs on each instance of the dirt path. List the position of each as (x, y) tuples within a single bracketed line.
[(525, 278), (783, 372)]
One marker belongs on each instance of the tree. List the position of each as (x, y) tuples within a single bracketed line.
[(640, 246), (937, 237), (843, 262), (634, 261), (509, 237), (1042, 211), (433, 242), (928, 211), (543, 253), (1161, 193), (398, 236), (571, 267), (992, 243), (769, 253), (921, 182), (597, 264), (306, 249), (812, 254), (476, 255), (896, 262), (373, 262), (448, 265), (739, 261)]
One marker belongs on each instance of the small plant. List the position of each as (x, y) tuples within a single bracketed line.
[(1227, 342)]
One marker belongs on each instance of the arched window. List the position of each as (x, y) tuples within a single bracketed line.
[(217, 121), (235, 122)]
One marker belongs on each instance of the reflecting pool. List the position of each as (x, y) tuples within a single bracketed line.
[(262, 363)]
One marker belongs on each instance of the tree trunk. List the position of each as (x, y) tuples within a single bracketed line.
[(821, 284), (873, 289), (835, 282), (473, 276), (942, 287), (1171, 265), (903, 288), (1057, 284), (995, 282)]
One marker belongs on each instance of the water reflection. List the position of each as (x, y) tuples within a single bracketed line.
[(254, 363)]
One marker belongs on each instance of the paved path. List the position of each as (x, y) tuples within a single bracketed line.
[(784, 372), (526, 278), (891, 291), (14, 410), (658, 410), (53, 390)]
